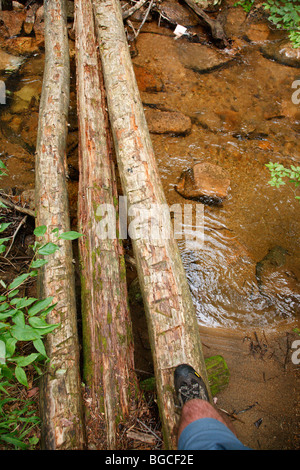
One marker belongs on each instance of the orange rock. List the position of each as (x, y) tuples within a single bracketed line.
[(167, 122), (11, 23), (146, 80), (205, 182)]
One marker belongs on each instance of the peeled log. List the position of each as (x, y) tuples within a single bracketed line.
[(107, 334), (171, 317), (60, 397)]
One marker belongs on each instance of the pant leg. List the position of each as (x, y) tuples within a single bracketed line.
[(208, 434)]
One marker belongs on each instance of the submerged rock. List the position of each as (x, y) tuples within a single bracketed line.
[(167, 122), (205, 182), (200, 58), (283, 53), (9, 63), (147, 82)]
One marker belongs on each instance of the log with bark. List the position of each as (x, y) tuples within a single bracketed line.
[(60, 392), (107, 334), (171, 317)]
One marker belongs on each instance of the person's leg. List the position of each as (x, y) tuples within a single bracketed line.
[(196, 409), (201, 426)]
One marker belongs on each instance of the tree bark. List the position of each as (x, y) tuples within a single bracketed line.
[(171, 317), (60, 397), (107, 334)]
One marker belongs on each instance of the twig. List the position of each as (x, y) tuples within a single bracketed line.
[(11, 205), (145, 18), (133, 9), (149, 429), (15, 234), (232, 415)]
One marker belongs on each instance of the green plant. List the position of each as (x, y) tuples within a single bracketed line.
[(279, 172), (245, 4), (285, 15), (23, 321)]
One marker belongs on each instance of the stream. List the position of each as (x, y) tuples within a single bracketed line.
[(242, 116)]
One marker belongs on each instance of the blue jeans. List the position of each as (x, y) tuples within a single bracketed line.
[(208, 434)]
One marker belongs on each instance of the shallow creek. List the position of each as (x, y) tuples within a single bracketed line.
[(242, 115)]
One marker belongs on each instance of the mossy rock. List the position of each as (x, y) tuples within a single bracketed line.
[(217, 371)]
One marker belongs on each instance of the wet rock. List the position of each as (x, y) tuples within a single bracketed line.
[(146, 81), (200, 58), (11, 23), (167, 122), (28, 94), (204, 182), (235, 21), (283, 53), (9, 63), (257, 33), (30, 19)]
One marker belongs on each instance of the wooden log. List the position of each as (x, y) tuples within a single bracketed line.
[(171, 317), (60, 397), (107, 333)]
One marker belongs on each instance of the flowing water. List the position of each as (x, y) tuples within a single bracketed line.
[(246, 273)]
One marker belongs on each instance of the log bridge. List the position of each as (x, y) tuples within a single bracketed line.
[(112, 132)]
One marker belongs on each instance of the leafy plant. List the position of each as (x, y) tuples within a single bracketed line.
[(245, 4), (23, 320), (279, 172), (285, 15)]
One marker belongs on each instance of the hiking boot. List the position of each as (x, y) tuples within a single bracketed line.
[(188, 384)]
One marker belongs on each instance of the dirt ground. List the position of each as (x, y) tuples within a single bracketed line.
[(262, 396)]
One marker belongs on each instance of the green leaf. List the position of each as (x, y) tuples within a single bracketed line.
[(10, 344), (70, 235), (24, 361), (18, 281), (19, 318), (48, 249), (42, 331), (38, 263), (23, 302), (4, 226), (40, 231), (46, 330), (39, 306), (21, 376), (14, 441), (26, 333), (37, 322), (3, 240), (39, 346), (13, 293), (2, 352)]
